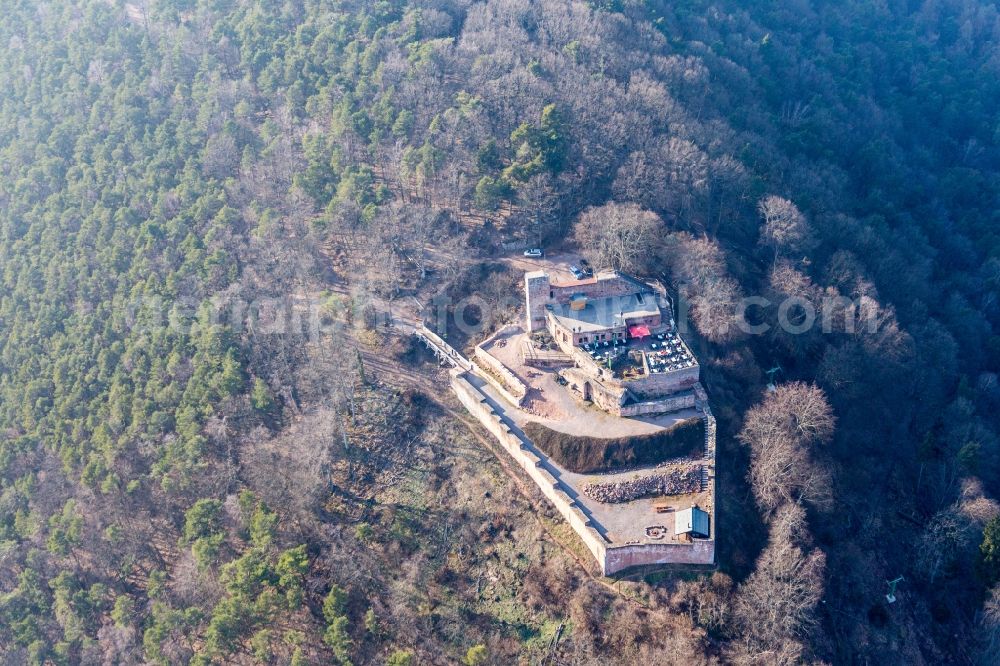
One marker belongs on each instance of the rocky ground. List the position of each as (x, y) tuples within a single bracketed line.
[(675, 482)]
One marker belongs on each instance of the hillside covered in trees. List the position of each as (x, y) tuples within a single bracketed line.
[(212, 451)]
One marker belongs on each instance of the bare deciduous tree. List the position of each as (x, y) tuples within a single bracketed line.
[(946, 534), (785, 228), (781, 433), (707, 601), (666, 178), (795, 311), (619, 236), (807, 412), (713, 308), (775, 607), (953, 534), (989, 627), (698, 266)]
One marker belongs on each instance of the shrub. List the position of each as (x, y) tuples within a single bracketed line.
[(400, 658)]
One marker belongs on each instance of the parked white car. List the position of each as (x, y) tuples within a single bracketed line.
[(534, 253)]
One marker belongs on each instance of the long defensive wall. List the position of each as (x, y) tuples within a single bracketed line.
[(611, 558)]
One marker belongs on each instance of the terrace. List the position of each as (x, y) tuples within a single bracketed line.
[(641, 357), (622, 515), (598, 315), (632, 503)]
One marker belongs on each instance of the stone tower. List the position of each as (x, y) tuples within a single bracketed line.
[(536, 295)]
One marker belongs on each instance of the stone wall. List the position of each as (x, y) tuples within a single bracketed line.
[(474, 401), (604, 285), (664, 382), (653, 385), (514, 390), (663, 406), (609, 393), (608, 396), (610, 558), (510, 393), (699, 551)]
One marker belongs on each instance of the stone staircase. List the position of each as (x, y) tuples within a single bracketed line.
[(701, 402), (531, 355)]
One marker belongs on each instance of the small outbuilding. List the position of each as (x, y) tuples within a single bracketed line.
[(691, 521)]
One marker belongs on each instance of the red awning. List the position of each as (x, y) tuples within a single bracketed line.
[(640, 331)]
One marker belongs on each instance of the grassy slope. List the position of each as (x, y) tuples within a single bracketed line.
[(594, 454)]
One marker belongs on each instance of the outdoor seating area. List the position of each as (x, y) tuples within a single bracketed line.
[(664, 352), (668, 353), (601, 351)]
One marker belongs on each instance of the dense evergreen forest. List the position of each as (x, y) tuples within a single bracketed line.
[(183, 482)]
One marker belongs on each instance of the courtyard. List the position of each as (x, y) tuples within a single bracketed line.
[(554, 405), (632, 522)]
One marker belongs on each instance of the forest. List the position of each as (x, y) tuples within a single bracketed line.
[(213, 451)]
